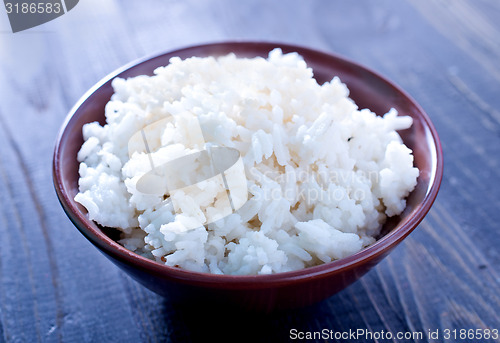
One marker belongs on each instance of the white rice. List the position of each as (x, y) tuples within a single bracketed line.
[(322, 175)]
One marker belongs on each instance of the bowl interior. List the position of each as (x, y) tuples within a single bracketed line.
[(368, 90)]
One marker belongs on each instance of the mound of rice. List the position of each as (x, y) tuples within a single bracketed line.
[(322, 175)]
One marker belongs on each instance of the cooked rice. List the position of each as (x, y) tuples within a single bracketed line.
[(322, 175)]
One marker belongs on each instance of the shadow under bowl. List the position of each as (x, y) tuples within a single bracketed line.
[(261, 292)]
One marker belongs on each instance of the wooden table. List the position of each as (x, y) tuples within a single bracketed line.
[(56, 287)]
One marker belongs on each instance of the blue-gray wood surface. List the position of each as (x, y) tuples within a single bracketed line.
[(56, 287)]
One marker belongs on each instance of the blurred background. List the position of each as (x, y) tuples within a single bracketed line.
[(56, 287)]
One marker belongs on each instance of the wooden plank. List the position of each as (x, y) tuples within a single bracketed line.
[(45, 289), (55, 287), (467, 26)]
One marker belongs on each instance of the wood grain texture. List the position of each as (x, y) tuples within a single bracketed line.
[(55, 287)]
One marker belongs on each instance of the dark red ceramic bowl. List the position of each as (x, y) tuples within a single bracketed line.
[(262, 292)]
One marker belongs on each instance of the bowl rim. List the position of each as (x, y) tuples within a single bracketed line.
[(120, 253)]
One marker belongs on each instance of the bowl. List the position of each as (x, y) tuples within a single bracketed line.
[(258, 292)]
